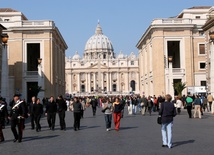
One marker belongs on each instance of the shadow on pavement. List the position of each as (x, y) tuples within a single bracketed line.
[(175, 144), (25, 139), (127, 128)]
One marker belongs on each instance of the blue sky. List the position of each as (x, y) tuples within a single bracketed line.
[(123, 21)]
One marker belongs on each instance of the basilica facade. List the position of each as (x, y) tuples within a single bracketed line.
[(100, 70)]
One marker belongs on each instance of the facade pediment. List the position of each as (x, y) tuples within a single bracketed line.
[(95, 66)]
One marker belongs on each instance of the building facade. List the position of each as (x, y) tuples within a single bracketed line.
[(100, 70), (181, 38), (209, 33), (28, 41)]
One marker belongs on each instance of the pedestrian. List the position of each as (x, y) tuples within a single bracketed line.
[(179, 104), (189, 102), (205, 104), (117, 113), (50, 112), (129, 103), (77, 106), (167, 112), (123, 103), (37, 112), (17, 118), (210, 101), (61, 109), (144, 104), (150, 105), (30, 112), (94, 104), (197, 105), (107, 106), (3, 115), (83, 107)]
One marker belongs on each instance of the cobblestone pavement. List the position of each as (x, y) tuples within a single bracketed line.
[(138, 135)]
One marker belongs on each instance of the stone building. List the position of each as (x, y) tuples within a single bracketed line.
[(180, 38), (28, 41), (100, 70), (209, 33)]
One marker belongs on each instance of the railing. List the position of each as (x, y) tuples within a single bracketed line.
[(32, 73), (176, 71)]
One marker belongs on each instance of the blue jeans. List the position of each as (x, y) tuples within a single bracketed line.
[(108, 118), (166, 130)]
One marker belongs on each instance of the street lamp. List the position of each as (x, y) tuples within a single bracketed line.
[(4, 69), (171, 91)]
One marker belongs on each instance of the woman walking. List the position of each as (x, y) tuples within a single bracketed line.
[(107, 107), (167, 112), (37, 112), (117, 113)]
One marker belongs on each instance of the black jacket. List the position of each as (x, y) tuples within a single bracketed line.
[(167, 111), (18, 111), (62, 106), (77, 107), (51, 107), (37, 109)]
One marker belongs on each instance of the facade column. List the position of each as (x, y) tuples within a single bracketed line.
[(86, 82), (110, 82), (95, 81), (118, 81), (102, 81), (107, 81), (89, 82), (78, 82)]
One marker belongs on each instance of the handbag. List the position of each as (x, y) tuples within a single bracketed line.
[(103, 110), (159, 120)]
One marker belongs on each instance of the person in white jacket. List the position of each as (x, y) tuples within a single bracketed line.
[(179, 104)]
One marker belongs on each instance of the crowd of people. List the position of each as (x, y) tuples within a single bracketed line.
[(113, 107)]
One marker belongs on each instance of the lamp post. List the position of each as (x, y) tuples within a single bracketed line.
[(4, 69), (40, 77), (170, 85)]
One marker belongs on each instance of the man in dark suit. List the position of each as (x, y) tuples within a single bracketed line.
[(30, 112), (62, 107), (50, 112), (94, 104)]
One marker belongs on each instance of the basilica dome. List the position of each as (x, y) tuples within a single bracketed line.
[(98, 44), (76, 56)]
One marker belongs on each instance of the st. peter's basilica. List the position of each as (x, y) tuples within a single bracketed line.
[(100, 70)]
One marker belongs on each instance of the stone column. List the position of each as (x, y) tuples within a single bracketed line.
[(110, 82), (95, 81)]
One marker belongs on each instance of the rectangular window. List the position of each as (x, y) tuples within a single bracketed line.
[(203, 83), (197, 17), (132, 62), (202, 65), (201, 48), (33, 53), (6, 20)]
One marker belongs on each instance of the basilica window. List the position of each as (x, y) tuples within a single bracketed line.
[(132, 62)]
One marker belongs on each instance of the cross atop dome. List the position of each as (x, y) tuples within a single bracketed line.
[(98, 29)]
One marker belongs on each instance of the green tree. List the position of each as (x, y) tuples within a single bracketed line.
[(36, 89), (179, 87)]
